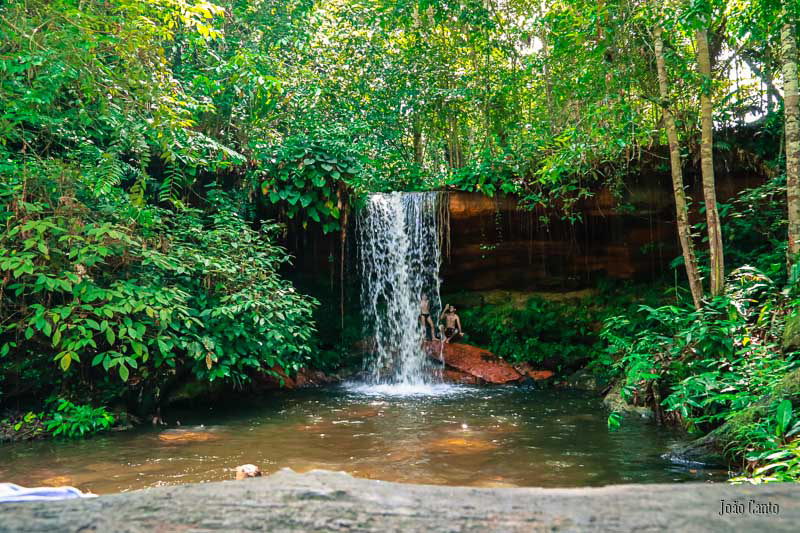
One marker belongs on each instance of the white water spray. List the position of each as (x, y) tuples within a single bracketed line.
[(399, 252)]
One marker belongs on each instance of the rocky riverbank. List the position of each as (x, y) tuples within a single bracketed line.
[(329, 501)]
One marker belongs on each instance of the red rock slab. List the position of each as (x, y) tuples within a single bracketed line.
[(271, 381), (475, 361), (539, 375), (536, 375), (457, 376), (307, 377)]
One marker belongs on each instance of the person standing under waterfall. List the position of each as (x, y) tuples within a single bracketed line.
[(451, 329), (425, 317)]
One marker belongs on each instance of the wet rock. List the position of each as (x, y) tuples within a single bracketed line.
[(364, 346), (615, 402), (307, 377), (301, 379), (540, 375), (556, 254), (705, 451), (791, 332), (516, 299), (181, 436), (474, 361), (585, 380), (457, 376), (317, 501), (276, 378), (246, 471), (526, 369), (461, 445)]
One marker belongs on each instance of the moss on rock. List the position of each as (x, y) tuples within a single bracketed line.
[(615, 402), (791, 332), (716, 447)]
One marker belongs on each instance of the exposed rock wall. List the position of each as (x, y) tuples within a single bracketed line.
[(495, 243)]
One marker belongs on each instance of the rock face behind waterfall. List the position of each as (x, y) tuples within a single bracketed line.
[(478, 364)]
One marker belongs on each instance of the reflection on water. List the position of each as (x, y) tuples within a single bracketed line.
[(490, 437)]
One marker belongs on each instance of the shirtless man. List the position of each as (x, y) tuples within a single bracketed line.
[(451, 329), (425, 316)]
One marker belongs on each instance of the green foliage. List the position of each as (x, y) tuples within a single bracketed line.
[(139, 139), (781, 464), (714, 366), (560, 334), (755, 228), (29, 425), (487, 177), (61, 418), (128, 256), (71, 420), (771, 446), (310, 180), (138, 294), (614, 420)]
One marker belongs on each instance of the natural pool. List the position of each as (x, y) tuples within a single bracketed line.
[(501, 436)]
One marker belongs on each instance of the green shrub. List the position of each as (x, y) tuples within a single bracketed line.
[(715, 366), (771, 446), (105, 289), (540, 331), (71, 420)]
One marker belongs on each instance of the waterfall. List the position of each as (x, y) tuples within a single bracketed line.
[(398, 243)]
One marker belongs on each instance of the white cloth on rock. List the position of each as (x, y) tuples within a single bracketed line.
[(10, 493)]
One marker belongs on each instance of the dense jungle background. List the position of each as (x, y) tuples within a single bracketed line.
[(161, 161)]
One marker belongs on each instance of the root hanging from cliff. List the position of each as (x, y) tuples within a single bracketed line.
[(443, 224)]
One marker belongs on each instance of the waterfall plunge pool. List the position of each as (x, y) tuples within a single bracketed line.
[(447, 435)]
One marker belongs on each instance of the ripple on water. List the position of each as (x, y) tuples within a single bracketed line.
[(440, 434), (405, 389)]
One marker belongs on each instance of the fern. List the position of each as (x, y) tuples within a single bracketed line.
[(174, 179), (213, 146), (102, 170)]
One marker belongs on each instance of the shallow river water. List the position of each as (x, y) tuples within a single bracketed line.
[(491, 437)]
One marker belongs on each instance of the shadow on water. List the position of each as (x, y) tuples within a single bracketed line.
[(451, 435)]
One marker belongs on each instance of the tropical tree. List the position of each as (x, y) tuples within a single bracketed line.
[(681, 208), (707, 152), (792, 126)]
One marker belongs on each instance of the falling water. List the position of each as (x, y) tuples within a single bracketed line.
[(400, 256)]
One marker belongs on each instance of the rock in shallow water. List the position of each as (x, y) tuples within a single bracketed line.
[(583, 379), (181, 436), (246, 471), (614, 402), (474, 361), (472, 365)]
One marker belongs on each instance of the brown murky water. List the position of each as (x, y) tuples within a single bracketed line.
[(489, 437)]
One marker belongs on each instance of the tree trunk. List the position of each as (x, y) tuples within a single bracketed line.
[(707, 165), (548, 83), (418, 148), (792, 117), (456, 155), (682, 212)]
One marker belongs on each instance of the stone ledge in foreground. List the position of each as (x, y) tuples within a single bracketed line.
[(333, 501)]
